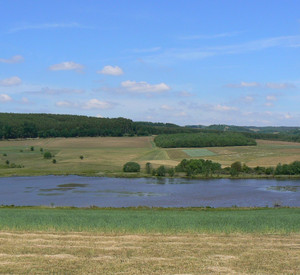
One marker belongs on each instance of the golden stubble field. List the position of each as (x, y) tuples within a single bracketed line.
[(107, 155), (96, 253)]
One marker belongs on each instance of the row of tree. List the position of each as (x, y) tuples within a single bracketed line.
[(207, 168), (203, 140)]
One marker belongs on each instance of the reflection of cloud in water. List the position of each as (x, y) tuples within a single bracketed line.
[(103, 193), (50, 194)]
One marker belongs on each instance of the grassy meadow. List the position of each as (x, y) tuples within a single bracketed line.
[(149, 241), (106, 155)]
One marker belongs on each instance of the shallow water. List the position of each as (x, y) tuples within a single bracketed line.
[(122, 192)]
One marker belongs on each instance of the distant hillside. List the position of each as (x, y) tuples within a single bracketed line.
[(268, 132), (14, 125), (249, 129)]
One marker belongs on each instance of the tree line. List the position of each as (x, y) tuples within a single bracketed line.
[(203, 140), (14, 125)]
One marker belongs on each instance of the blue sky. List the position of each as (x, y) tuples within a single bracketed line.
[(185, 62)]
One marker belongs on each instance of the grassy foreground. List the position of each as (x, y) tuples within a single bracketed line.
[(167, 221), (95, 253), (149, 241)]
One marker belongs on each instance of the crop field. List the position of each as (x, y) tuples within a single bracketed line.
[(145, 241), (199, 152), (262, 220), (107, 155)]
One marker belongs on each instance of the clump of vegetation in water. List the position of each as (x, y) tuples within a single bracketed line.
[(131, 167)]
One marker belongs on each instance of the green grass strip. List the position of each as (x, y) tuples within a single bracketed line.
[(265, 220), (198, 152)]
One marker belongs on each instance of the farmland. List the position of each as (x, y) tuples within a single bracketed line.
[(149, 241), (106, 155)]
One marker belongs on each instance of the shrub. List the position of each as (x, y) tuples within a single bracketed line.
[(131, 167), (81, 157), (171, 172), (47, 155), (31, 148), (161, 171), (148, 168), (54, 161)]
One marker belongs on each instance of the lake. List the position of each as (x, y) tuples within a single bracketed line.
[(123, 192)]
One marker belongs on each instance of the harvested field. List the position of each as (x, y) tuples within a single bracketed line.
[(91, 253)]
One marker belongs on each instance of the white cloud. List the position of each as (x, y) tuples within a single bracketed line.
[(51, 91), (225, 108), (166, 107), (269, 104), (279, 86), (66, 66), (64, 104), (270, 85), (287, 116), (13, 60), (185, 94), (96, 104), (271, 98), (5, 98), (181, 114), (144, 87), (25, 100), (243, 85), (111, 70), (11, 81)]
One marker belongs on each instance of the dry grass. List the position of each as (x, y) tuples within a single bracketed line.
[(87, 253)]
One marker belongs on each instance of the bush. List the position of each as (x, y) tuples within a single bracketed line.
[(47, 155), (81, 157), (148, 168), (54, 161), (171, 172), (31, 148), (131, 167), (161, 171)]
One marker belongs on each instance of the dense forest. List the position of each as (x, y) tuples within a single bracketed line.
[(14, 125), (203, 140)]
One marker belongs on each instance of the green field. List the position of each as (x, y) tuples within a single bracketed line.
[(107, 155), (265, 220), (199, 152)]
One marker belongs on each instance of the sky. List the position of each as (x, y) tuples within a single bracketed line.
[(185, 62)]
